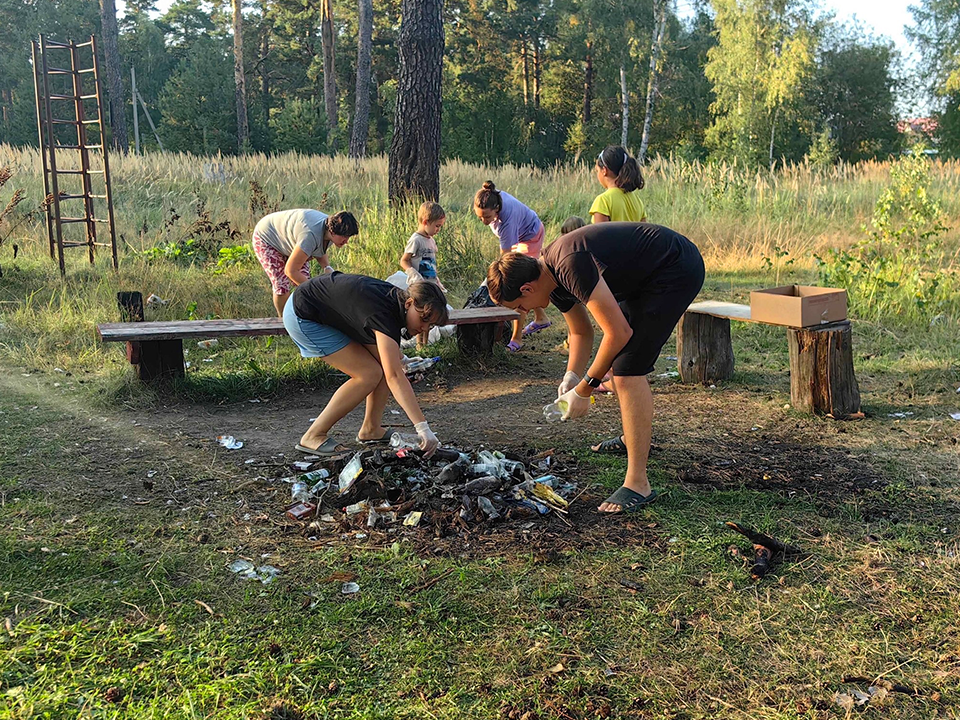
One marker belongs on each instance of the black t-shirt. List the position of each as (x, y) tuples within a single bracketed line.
[(627, 255), (356, 305)]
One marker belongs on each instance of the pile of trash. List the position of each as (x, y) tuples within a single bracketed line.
[(453, 490)]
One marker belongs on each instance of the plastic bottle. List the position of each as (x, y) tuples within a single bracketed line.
[(300, 492), (422, 364), (321, 474), (351, 471), (555, 410), (404, 440)]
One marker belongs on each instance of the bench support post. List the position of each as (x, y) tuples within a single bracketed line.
[(704, 348), (821, 370), (158, 360), (479, 338)]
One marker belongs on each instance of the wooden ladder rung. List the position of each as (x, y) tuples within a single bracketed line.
[(71, 97), (64, 221), (77, 147), (74, 243), (75, 172), (56, 121), (77, 196)]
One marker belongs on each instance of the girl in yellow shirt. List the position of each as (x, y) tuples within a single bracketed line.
[(620, 175)]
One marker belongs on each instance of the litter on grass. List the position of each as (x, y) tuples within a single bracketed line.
[(155, 300), (900, 415), (955, 416), (248, 571), (349, 588), (389, 488), (229, 442), (207, 344)]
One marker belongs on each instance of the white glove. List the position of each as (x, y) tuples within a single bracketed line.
[(569, 382), (577, 405), (328, 270), (413, 276), (428, 441)]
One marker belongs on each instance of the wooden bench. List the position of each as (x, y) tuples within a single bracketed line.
[(822, 379), (156, 348)]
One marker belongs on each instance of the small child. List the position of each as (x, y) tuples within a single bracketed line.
[(620, 176), (419, 259)]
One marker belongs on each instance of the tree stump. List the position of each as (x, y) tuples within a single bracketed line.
[(704, 349), (821, 370)]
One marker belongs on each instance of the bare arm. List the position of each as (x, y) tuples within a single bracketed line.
[(405, 261), (580, 337), (387, 351), (600, 217), (293, 269)]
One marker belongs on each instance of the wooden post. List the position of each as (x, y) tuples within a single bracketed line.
[(153, 359), (704, 349), (822, 379), (479, 339)]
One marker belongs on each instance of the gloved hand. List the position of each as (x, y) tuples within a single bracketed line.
[(328, 270), (577, 405), (413, 276), (428, 441), (569, 382)]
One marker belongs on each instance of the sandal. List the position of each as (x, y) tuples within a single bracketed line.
[(327, 447), (628, 500), (513, 346), (535, 327), (382, 440), (611, 446)]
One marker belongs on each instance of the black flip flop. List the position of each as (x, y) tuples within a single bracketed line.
[(628, 500), (382, 440), (612, 446), (327, 447)]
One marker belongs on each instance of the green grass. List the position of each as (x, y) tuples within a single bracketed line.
[(99, 592)]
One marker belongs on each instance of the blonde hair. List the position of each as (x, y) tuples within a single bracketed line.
[(430, 212), (571, 224)]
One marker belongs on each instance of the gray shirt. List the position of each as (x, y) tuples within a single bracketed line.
[(287, 229)]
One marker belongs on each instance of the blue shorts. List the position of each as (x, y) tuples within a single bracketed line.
[(313, 339)]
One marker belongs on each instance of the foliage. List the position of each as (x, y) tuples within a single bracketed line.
[(300, 126), (901, 270), (228, 257), (757, 68)]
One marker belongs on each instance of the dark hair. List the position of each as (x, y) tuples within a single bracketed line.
[(343, 223), (488, 197), (429, 301), (572, 223), (508, 273), (618, 161)]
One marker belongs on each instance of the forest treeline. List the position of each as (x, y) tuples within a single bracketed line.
[(524, 81)]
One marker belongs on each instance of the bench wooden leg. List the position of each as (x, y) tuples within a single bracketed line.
[(822, 379), (704, 348), (479, 339), (157, 360)]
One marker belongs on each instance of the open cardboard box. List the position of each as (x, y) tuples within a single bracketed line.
[(798, 305)]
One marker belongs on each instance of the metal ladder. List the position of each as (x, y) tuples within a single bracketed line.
[(52, 92)]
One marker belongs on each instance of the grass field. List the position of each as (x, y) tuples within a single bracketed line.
[(114, 590)]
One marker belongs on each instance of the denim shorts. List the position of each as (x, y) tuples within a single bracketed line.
[(313, 339)]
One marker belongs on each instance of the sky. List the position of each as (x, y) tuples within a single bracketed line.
[(888, 19)]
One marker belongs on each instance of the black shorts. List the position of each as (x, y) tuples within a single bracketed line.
[(656, 311)]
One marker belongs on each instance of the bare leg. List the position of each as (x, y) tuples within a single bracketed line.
[(372, 428), (423, 339), (540, 316), (279, 301), (636, 408), (518, 326), (365, 376)]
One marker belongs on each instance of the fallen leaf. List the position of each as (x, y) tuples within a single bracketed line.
[(204, 606), (558, 668), (340, 576)]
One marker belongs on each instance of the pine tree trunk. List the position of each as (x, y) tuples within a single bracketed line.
[(415, 149), (111, 57), (587, 85), (361, 114), (261, 63), (773, 130), (537, 70), (659, 25), (525, 60), (329, 74), (243, 128), (624, 107)]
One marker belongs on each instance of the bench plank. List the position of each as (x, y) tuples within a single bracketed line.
[(731, 311), (200, 329)]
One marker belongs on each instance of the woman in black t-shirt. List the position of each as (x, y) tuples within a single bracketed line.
[(636, 280), (354, 322)]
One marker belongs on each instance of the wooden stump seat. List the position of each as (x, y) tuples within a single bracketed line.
[(822, 378)]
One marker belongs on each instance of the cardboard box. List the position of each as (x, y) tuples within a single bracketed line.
[(798, 305)]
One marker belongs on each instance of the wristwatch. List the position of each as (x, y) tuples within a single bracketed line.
[(592, 381)]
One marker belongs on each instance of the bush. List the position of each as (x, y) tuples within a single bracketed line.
[(901, 270)]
